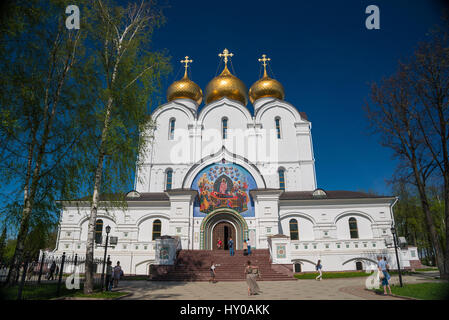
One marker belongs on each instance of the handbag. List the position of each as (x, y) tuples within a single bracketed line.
[(380, 275)]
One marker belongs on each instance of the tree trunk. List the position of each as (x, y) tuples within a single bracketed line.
[(88, 285), (89, 274)]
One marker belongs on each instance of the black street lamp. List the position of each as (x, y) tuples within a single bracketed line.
[(393, 232), (108, 229)]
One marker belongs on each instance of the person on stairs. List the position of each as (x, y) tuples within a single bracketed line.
[(231, 246)]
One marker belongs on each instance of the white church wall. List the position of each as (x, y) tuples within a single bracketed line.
[(305, 227), (364, 226)]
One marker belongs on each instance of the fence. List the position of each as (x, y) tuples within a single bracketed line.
[(48, 275)]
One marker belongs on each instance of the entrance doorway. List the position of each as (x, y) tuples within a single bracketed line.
[(223, 231)]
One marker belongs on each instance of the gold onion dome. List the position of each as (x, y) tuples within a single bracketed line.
[(185, 88), (266, 86), (226, 85)]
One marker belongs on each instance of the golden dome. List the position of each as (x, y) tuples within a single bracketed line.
[(266, 86), (226, 85), (185, 88)]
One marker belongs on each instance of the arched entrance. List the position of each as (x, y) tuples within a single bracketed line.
[(223, 223), (224, 231)]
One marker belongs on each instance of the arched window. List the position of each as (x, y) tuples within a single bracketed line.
[(98, 231), (277, 122), (359, 266), (168, 179), (171, 131), (224, 128), (294, 235), (157, 227), (353, 230), (281, 173)]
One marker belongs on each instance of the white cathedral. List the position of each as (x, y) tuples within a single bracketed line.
[(223, 171)]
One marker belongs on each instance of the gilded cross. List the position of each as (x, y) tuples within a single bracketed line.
[(186, 61), (225, 54), (264, 63)]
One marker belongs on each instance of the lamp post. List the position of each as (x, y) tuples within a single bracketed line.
[(393, 232), (108, 229)]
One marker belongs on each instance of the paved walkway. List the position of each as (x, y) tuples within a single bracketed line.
[(330, 289)]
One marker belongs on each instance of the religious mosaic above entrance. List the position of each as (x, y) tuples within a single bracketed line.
[(223, 185)]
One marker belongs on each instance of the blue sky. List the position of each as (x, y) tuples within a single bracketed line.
[(324, 56)]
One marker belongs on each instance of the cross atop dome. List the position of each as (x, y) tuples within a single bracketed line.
[(186, 62), (264, 60), (225, 54)]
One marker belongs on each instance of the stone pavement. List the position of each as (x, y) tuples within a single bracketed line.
[(330, 289)]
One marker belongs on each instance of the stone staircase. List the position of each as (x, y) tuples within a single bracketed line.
[(193, 265)]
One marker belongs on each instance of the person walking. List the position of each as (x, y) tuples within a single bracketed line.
[(212, 272), (249, 246), (251, 273), (231, 246), (219, 244), (118, 272), (382, 265), (52, 271), (318, 268), (109, 274), (245, 248)]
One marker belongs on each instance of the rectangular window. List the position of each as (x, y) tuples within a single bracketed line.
[(171, 134), (338, 245), (281, 180), (327, 246), (268, 230), (278, 128), (224, 123), (169, 180)]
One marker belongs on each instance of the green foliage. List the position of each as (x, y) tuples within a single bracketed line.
[(138, 78), (410, 219)]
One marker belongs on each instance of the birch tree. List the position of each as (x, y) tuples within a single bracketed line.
[(131, 71), (39, 101)]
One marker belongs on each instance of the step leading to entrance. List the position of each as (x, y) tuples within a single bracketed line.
[(193, 265)]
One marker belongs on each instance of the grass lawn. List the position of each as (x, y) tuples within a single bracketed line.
[(336, 275), (48, 291), (427, 269), (424, 291), (332, 275), (134, 278), (105, 294)]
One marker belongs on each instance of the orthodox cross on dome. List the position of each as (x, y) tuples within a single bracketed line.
[(225, 54), (186, 62), (264, 63)]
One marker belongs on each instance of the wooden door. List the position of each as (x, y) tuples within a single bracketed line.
[(223, 231)]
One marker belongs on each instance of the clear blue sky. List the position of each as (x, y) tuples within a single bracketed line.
[(323, 55)]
